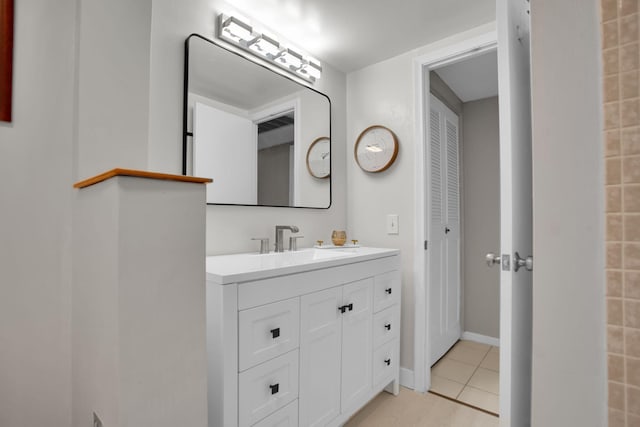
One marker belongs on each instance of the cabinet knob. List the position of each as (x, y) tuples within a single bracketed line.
[(274, 388), (388, 291), (275, 333), (387, 326), (387, 362)]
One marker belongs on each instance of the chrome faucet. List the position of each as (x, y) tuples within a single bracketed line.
[(279, 235)]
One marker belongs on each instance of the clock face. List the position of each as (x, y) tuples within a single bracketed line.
[(319, 158), (376, 149)]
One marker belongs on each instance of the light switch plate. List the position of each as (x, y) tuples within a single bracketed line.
[(392, 224)]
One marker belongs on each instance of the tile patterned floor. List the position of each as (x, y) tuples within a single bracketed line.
[(411, 409), (469, 373)]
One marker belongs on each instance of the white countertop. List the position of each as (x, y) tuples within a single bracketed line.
[(235, 268)]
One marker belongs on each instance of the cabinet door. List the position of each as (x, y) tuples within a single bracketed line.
[(357, 345), (320, 340), (267, 331)]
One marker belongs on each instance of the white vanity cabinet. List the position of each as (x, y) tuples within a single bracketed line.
[(301, 344)]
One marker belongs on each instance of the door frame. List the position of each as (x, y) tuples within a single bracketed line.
[(422, 65)]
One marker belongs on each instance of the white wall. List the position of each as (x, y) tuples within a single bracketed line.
[(312, 191), (481, 207), (383, 94), (569, 373), (113, 85), (229, 228), (36, 168)]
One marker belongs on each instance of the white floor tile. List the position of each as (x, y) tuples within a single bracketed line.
[(453, 370), (480, 398), (445, 386), (491, 361), (486, 380), (472, 344), (467, 354)]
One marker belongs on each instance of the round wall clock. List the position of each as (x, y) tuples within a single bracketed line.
[(319, 158), (376, 149)]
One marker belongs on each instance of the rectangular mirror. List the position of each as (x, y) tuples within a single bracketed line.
[(262, 137)]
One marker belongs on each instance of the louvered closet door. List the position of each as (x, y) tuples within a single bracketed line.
[(444, 230)]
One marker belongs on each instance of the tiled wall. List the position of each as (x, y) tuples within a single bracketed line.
[(621, 67)]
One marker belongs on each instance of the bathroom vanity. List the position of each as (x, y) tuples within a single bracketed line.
[(301, 338)]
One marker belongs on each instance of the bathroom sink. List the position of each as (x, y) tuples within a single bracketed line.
[(304, 255), (284, 259), (251, 266)]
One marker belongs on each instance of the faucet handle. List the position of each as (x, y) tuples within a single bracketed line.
[(264, 244), (293, 242)]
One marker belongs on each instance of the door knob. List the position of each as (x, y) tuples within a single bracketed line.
[(523, 262), (492, 259), (447, 230)]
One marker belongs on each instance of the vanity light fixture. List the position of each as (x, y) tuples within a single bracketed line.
[(265, 46), (242, 35), (289, 58), (311, 68), (234, 30)]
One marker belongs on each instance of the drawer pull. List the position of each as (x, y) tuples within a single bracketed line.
[(387, 361), (275, 333), (388, 291), (387, 326), (274, 388), (346, 307)]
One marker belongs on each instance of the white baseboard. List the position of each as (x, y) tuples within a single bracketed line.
[(483, 339), (407, 378)]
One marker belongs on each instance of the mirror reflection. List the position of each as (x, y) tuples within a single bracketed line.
[(253, 131)]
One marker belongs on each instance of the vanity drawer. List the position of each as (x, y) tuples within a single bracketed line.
[(267, 331), (285, 417), (386, 290), (385, 362), (386, 326), (266, 388)]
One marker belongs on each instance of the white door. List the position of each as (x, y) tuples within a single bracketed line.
[(515, 212), (444, 230), (357, 343), (320, 342), (232, 166)]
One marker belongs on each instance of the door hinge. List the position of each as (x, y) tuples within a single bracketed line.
[(426, 245)]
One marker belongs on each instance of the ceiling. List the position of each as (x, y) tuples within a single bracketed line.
[(351, 34), (472, 79)]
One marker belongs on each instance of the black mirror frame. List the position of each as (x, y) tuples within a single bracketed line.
[(186, 133)]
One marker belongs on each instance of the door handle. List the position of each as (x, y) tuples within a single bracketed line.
[(492, 259), (527, 262), (447, 230)]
